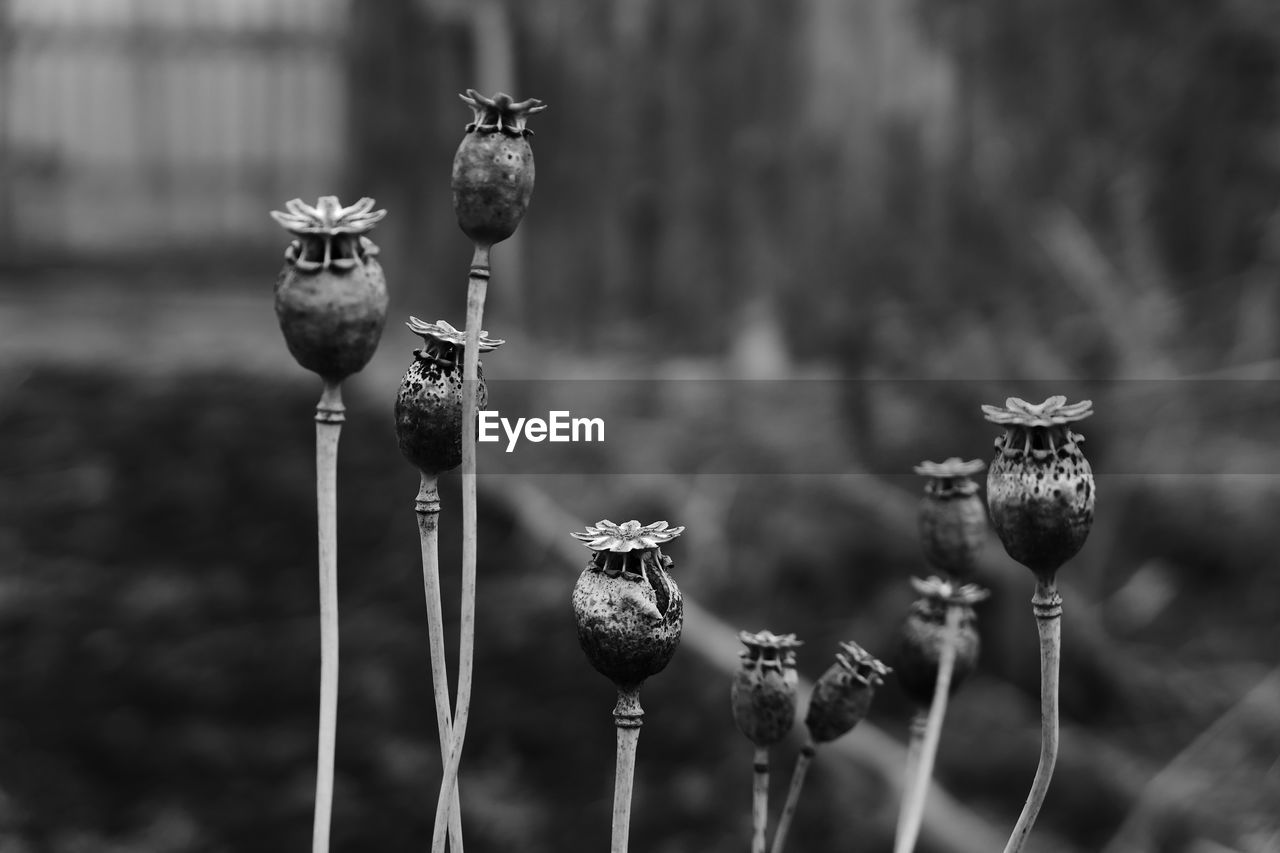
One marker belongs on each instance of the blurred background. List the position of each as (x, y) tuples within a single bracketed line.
[(784, 250)]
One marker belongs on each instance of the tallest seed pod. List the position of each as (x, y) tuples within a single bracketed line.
[(493, 167), (492, 183), (1040, 486)]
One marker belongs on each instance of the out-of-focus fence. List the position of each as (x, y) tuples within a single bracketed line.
[(133, 130)]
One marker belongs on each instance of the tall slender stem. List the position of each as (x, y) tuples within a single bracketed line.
[(627, 717), (759, 798), (793, 797), (919, 791), (919, 723), (330, 413), (1047, 605), (477, 285), (427, 507)]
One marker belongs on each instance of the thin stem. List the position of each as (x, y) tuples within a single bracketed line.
[(477, 284), (759, 798), (793, 797), (919, 723), (627, 717), (330, 413), (1047, 605), (427, 507), (919, 791)]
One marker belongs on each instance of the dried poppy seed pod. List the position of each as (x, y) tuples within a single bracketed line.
[(493, 170), (920, 644), (628, 609), (952, 517), (429, 403), (842, 696), (331, 297), (763, 695), (1040, 487)]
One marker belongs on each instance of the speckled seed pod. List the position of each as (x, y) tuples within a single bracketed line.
[(331, 297), (842, 696), (493, 168), (763, 694), (1040, 487), (429, 403), (628, 609), (920, 643), (952, 517)]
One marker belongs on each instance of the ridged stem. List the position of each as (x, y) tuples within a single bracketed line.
[(427, 506), (627, 717), (330, 413), (477, 285), (793, 797), (1047, 605), (759, 798), (919, 790), (919, 723)]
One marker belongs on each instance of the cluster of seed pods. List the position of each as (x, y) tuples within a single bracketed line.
[(331, 302)]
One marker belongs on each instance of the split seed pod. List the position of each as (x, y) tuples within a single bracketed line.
[(331, 297), (952, 517), (920, 646), (628, 609), (429, 403), (493, 170), (763, 695), (842, 697), (1040, 487)]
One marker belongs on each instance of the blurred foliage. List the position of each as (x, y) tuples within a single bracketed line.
[(928, 189)]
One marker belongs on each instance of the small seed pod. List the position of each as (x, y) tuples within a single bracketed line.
[(493, 168), (331, 297), (763, 695), (628, 609), (429, 403), (842, 697), (952, 517), (1040, 487), (920, 644)]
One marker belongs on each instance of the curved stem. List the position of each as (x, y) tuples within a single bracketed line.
[(793, 797), (759, 798), (919, 791), (477, 285), (919, 723), (330, 413), (627, 717), (427, 507), (1047, 605)]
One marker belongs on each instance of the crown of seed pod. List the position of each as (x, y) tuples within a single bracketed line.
[(493, 168), (1040, 487), (429, 403), (628, 609), (920, 643), (952, 518), (331, 297), (763, 695), (842, 696)]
